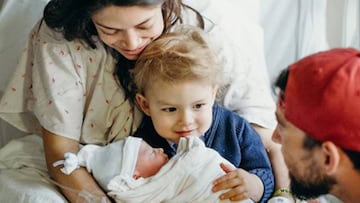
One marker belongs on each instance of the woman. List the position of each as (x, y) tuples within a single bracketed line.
[(72, 83)]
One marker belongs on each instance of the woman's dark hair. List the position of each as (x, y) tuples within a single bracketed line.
[(310, 142), (73, 19)]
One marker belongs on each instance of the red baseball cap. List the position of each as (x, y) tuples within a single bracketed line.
[(322, 96)]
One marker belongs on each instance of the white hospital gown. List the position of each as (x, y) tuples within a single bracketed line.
[(69, 89)]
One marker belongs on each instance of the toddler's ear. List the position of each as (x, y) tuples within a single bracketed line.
[(143, 103), (215, 90)]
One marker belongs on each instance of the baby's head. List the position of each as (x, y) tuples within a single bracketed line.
[(122, 162), (132, 161), (149, 160), (138, 160)]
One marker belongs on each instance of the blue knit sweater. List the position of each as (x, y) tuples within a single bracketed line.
[(234, 139)]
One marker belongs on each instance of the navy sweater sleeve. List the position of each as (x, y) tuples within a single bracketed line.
[(238, 142)]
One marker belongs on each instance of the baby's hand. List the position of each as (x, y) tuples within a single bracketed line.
[(242, 184)]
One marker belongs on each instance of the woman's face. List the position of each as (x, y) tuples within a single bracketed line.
[(129, 29)]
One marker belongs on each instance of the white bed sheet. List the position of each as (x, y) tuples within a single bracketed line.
[(23, 175)]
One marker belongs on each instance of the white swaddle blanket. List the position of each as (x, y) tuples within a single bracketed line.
[(187, 177)]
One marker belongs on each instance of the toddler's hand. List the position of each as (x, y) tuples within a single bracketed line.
[(236, 180)]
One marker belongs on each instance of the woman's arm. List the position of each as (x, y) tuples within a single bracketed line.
[(80, 180)]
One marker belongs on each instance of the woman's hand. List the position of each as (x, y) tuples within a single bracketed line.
[(242, 184), (80, 180)]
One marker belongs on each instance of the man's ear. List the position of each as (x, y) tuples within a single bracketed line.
[(143, 103), (332, 157)]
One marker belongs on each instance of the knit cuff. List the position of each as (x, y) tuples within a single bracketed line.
[(267, 179)]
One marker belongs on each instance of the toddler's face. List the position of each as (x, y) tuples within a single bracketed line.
[(150, 160), (181, 109)]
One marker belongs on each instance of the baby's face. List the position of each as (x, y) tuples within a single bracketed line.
[(150, 160)]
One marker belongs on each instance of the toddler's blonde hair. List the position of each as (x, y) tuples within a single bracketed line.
[(182, 55)]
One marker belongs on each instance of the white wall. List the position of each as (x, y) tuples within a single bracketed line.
[(335, 12), (17, 17), (281, 22)]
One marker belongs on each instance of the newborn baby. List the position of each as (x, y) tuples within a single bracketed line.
[(130, 170)]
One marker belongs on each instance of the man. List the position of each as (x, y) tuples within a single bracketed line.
[(318, 113)]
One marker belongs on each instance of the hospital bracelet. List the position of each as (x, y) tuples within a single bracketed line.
[(282, 191)]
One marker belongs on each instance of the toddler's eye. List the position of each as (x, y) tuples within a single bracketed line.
[(170, 109), (198, 106)]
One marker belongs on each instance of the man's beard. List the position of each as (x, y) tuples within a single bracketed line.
[(311, 187)]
